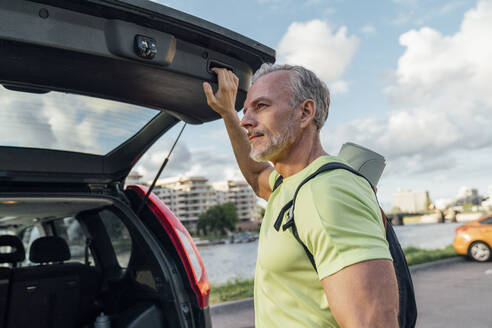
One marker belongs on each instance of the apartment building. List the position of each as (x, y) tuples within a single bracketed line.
[(467, 195), (241, 194), (408, 201), (188, 197)]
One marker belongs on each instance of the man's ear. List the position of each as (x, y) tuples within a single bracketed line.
[(308, 110)]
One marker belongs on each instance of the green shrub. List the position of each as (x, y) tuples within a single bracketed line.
[(417, 255)]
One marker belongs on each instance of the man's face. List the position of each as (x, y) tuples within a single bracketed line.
[(269, 118)]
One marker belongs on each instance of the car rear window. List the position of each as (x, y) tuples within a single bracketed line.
[(119, 236), (68, 122), (487, 221)]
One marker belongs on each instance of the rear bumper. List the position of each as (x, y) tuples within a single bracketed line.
[(461, 243)]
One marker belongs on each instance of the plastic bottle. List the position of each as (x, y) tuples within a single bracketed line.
[(102, 321)]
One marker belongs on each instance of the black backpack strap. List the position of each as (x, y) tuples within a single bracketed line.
[(277, 183), (306, 250), (291, 204), (323, 168)]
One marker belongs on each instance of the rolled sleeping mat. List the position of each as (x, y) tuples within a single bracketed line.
[(367, 162)]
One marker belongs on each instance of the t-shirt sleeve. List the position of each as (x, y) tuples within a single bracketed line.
[(274, 175), (338, 218)]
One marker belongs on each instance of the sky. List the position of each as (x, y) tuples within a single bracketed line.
[(410, 79)]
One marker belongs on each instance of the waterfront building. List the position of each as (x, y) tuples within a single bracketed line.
[(241, 194), (408, 201), (443, 203), (133, 178), (487, 203), (188, 197), (468, 195)]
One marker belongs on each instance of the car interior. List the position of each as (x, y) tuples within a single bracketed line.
[(67, 260)]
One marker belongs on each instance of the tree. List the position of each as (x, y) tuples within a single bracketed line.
[(218, 219)]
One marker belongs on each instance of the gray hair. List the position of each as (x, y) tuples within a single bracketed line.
[(304, 84)]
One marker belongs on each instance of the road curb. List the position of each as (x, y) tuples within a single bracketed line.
[(232, 306), (433, 264), (248, 302)]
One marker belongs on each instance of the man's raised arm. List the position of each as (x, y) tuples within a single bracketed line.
[(223, 102)]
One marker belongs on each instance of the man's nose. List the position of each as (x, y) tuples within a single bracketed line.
[(247, 121)]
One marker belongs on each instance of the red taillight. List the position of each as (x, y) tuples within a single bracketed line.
[(190, 257)]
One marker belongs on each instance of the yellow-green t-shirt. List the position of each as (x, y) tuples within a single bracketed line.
[(338, 219)]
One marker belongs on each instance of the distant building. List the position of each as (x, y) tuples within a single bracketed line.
[(487, 203), (443, 203), (408, 201), (133, 178), (188, 197), (468, 195), (241, 194)]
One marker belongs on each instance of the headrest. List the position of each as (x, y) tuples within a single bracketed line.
[(49, 249), (17, 254)]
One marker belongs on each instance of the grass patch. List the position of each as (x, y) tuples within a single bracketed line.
[(243, 288), (417, 255), (411, 219), (231, 291)]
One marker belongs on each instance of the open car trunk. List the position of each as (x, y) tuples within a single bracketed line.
[(117, 266)]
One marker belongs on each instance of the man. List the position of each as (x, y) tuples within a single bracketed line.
[(337, 215)]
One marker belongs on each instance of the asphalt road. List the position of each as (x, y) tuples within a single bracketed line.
[(238, 314), (457, 295)]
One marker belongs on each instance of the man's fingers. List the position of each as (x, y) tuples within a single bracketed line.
[(209, 93), (225, 76)]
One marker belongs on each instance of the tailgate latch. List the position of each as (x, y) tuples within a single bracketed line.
[(145, 47)]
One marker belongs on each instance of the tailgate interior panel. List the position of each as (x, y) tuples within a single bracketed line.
[(95, 54)]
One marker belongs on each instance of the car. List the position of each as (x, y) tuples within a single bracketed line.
[(474, 239), (86, 87)]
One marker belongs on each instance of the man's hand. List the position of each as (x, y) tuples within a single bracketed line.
[(364, 294), (224, 101)]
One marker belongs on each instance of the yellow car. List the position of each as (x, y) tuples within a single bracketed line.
[(475, 239)]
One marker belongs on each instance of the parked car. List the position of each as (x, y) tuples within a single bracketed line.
[(86, 87), (475, 239)]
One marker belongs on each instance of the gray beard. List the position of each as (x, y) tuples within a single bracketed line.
[(275, 145)]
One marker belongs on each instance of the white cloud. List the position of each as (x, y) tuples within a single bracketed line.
[(412, 12), (368, 29), (179, 161), (316, 46), (206, 162), (67, 122), (450, 7), (442, 98), (338, 87)]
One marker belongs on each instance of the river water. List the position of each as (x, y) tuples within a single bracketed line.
[(236, 261)]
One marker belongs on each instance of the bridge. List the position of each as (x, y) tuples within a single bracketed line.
[(397, 218)]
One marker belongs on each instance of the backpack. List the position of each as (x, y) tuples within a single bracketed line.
[(407, 315)]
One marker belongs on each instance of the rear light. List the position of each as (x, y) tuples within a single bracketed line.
[(190, 257), (461, 229)]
